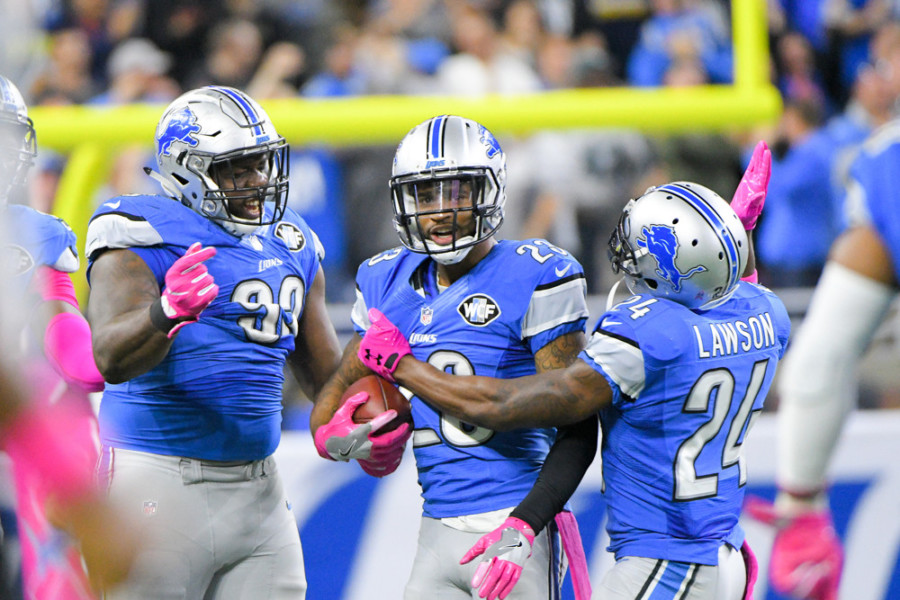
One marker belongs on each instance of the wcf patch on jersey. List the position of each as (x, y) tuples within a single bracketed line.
[(479, 309), (291, 235)]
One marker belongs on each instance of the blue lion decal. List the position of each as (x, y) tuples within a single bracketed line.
[(661, 243), (490, 142), (181, 127)]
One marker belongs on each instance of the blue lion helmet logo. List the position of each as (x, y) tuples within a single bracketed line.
[(181, 127), (661, 243), (490, 142)]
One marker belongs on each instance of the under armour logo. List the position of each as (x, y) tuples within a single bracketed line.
[(377, 358)]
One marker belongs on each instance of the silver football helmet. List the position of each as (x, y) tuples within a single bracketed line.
[(18, 141), (680, 241), (204, 142), (451, 169)]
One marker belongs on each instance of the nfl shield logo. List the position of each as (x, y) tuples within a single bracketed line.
[(149, 508), (426, 315)]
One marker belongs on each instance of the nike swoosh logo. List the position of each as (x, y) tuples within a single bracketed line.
[(113, 205), (519, 545), (607, 322), (348, 451), (563, 271)]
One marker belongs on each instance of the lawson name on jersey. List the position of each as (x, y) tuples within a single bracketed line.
[(742, 335)]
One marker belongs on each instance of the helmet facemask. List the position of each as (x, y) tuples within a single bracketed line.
[(18, 149), (445, 214), (231, 198)]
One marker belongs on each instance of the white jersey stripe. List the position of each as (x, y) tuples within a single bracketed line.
[(555, 306), (622, 361)]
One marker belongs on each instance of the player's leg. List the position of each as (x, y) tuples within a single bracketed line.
[(258, 537), (639, 578), (436, 572), (176, 560)]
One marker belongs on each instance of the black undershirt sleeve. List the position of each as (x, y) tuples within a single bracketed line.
[(566, 463)]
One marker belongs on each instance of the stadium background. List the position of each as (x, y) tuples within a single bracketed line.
[(358, 532)]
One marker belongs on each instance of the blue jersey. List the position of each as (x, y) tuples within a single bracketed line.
[(686, 387), (873, 194), (217, 393), (35, 239), (490, 322)]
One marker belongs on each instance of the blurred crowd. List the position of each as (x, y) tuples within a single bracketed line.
[(832, 60)]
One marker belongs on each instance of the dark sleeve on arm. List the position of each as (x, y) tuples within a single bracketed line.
[(566, 463)]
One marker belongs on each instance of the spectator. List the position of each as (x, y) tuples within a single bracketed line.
[(799, 192)]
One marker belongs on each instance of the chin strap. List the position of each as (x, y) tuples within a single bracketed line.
[(167, 186)]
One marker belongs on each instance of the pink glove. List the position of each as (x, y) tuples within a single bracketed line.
[(342, 439), (189, 289), (750, 195), (806, 556), (383, 346), (505, 551), (387, 451)]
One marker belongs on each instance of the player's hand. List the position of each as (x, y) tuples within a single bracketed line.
[(750, 195), (806, 556), (383, 346), (387, 451), (189, 287), (505, 551), (342, 439)]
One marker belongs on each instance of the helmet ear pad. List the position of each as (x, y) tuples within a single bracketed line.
[(207, 130), (448, 150), (680, 241)]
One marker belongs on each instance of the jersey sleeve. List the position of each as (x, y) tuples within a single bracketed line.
[(119, 223), (59, 242), (558, 302), (614, 352)]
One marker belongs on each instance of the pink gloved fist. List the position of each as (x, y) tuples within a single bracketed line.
[(383, 346), (806, 556), (189, 287), (750, 195), (505, 551)]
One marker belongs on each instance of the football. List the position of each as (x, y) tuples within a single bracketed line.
[(383, 396)]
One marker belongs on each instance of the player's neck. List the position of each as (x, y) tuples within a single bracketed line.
[(447, 274)]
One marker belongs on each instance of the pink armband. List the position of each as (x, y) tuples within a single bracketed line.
[(50, 446), (67, 345), (55, 285), (752, 277)]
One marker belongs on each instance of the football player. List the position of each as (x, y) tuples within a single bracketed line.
[(818, 386), (39, 253), (677, 372), (199, 297), (471, 304)]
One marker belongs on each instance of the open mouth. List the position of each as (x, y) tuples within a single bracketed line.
[(248, 209), (442, 236)]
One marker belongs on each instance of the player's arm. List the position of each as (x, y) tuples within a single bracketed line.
[(551, 399), (572, 451), (817, 382), (328, 400), (63, 332), (317, 351), (126, 342)]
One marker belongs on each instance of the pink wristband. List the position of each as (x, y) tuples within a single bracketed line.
[(55, 285), (752, 277), (67, 345), (50, 445)]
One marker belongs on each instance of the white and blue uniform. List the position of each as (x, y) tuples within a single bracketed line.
[(686, 387), (490, 322), (189, 442), (217, 394), (36, 239), (873, 194)]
